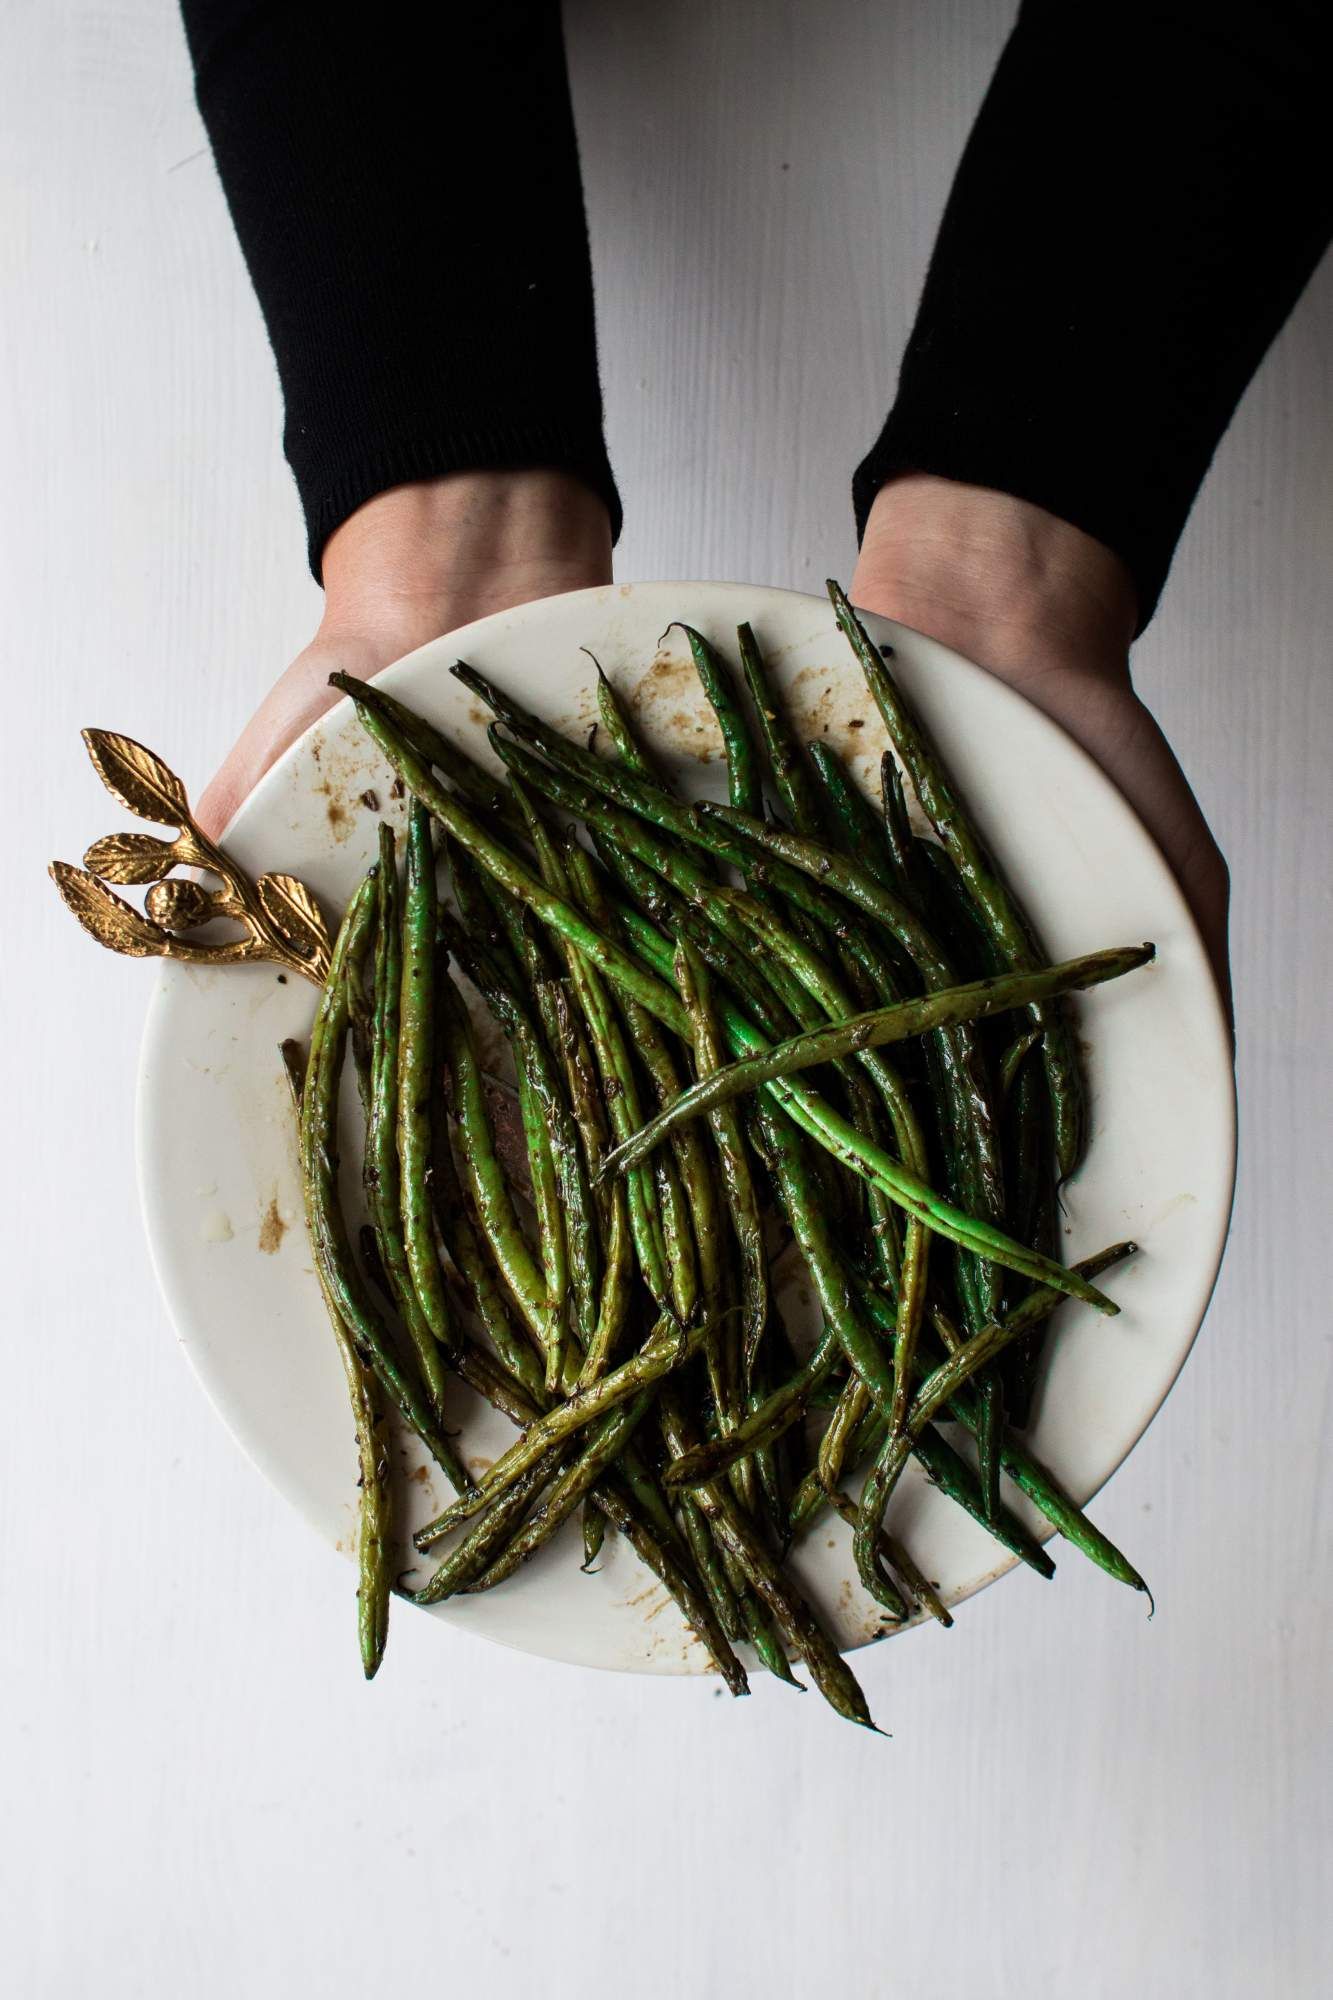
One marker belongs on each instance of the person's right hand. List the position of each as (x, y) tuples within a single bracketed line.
[(412, 563)]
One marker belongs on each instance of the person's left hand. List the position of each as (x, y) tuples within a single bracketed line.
[(1051, 611)]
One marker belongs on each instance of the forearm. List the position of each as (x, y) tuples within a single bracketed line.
[(420, 558), (404, 182), (1140, 203), (949, 557)]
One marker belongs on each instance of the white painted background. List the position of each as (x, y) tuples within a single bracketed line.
[(200, 1796)]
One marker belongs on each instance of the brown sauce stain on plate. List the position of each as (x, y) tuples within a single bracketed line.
[(272, 1229), (835, 704), (670, 706), (669, 677), (341, 783)]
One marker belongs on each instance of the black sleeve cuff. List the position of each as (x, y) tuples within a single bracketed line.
[(405, 186), (334, 482)]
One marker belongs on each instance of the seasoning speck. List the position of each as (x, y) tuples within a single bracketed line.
[(272, 1229)]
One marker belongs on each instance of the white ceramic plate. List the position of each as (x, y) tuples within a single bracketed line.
[(216, 1147)]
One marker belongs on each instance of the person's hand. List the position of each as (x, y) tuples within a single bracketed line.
[(410, 564), (1052, 612)]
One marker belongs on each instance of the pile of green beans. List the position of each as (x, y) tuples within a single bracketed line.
[(799, 1018)]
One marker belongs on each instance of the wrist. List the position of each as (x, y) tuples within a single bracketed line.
[(994, 576), (421, 557)]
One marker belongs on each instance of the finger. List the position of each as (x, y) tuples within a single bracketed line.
[(1143, 765), (1123, 737)]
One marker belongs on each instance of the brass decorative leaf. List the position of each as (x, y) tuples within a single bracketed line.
[(180, 905), (292, 910), (278, 917), (141, 781), (111, 921), (130, 858)]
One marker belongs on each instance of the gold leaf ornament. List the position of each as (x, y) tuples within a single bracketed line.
[(278, 917), (180, 905), (141, 781), (131, 858), (291, 909), (112, 921)]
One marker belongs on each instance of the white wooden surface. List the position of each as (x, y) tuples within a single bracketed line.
[(201, 1797)]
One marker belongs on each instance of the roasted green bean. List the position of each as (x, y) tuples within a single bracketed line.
[(324, 1216), (374, 1513)]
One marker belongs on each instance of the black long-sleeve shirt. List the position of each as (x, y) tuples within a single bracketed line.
[(1144, 195)]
